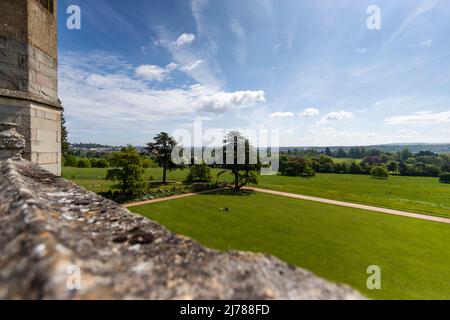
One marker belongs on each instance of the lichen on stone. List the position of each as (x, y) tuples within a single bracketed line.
[(51, 227)]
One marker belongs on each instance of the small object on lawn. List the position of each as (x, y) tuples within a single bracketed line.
[(224, 209)]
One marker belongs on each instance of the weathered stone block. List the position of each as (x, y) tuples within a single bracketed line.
[(45, 124), (28, 78), (43, 58), (48, 224), (41, 128)]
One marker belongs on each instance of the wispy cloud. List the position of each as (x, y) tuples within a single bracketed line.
[(192, 66), (423, 44), (336, 116), (153, 72), (281, 115), (360, 50), (240, 50), (184, 39), (425, 7), (309, 112), (422, 117), (204, 72)]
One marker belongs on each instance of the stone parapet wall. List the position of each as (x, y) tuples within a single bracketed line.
[(51, 228)]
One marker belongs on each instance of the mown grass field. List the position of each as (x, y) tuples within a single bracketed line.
[(415, 194), (334, 242), (94, 180)]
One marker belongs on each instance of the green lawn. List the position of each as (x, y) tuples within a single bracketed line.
[(93, 179), (415, 194), (334, 242)]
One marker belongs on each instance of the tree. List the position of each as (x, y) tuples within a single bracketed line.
[(99, 163), (199, 173), (308, 172), (392, 167), (64, 137), (405, 154), (242, 170), (341, 153), (84, 163), (161, 149), (355, 168), (70, 161), (293, 166), (379, 172), (128, 171), (323, 164), (328, 152), (432, 170), (444, 177)]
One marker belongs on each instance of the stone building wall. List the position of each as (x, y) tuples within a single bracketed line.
[(29, 78)]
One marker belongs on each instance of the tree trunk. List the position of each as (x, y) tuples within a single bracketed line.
[(164, 174)]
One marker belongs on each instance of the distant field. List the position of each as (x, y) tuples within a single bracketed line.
[(416, 194), (93, 179), (336, 243), (346, 160)]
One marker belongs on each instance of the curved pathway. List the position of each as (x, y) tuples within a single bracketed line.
[(352, 205), (179, 196), (307, 198)]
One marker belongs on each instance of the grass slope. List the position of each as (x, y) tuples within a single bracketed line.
[(334, 242), (415, 194)]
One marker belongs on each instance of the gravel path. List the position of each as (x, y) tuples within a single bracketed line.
[(140, 203), (353, 205), (308, 198)]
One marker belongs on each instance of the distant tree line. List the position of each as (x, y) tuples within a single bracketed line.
[(100, 162), (405, 163)]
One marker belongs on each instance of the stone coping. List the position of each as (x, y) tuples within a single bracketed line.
[(30, 97), (52, 228)]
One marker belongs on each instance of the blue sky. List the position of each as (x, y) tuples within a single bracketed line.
[(311, 69)]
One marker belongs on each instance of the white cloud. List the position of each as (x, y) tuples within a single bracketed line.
[(122, 100), (185, 38), (423, 44), (192, 66), (281, 115), (337, 116), (207, 72), (422, 117), (309, 112), (331, 136), (360, 50), (151, 72), (155, 73), (172, 66), (214, 101)]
